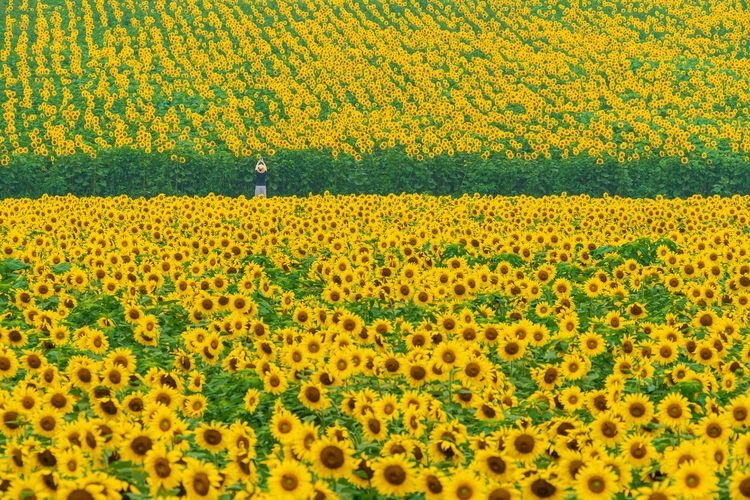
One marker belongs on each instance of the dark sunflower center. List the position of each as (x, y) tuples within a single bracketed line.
[(524, 444), (10, 419), (213, 437), (496, 464), (637, 410), (417, 372), (374, 425), (80, 495), (289, 482), (674, 411), (312, 394), (638, 450), (395, 474), (543, 488), (201, 484), (162, 468), (714, 430), (609, 429), (692, 480), (434, 485), (596, 484), (332, 457), (141, 445), (47, 423), (472, 369), (745, 487)]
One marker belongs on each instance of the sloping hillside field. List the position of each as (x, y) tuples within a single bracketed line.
[(369, 346), (604, 80)]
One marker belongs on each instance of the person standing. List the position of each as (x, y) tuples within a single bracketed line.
[(261, 171)]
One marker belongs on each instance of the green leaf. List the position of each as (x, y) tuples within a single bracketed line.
[(12, 265), (60, 268)]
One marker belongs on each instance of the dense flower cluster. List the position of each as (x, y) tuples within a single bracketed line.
[(516, 78), (452, 348)]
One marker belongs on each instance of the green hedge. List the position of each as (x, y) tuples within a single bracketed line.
[(302, 172)]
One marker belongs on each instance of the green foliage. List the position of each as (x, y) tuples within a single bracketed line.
[(299, 173)]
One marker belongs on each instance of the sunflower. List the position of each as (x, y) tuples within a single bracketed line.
[(241, 467), (524, 445), (194, 405), (8, 363), (304, 438), (739, 487), (136, 444), (200, 479), (29, 397), (636, 409), (567, 325), (416, 373), (290, 480), (165, 396), (121, 357), (163, 422), (542, 485), (547, 377), (638, 450), (592, 344), (449, 354), (374, 428), (134, 403), (314, 346), (571, 398), (695, 480), (674, 411), (713, 428), (674, 457), (211, 437), (59, 335), (251, 400), (464, 484), (284, 424), (331, 458), (666, 352), (637, 310), (387, 406), (741, 449), (71, 462), (12, 420), (574, 366), (595, 480), (313, 396), (393, 475), (608, 428), (46, 423), (163, 468), (494, 465), (114, 377), (570, 464), (275, 381), (511, 349), (33, 360), (614, 320), (94, 484)]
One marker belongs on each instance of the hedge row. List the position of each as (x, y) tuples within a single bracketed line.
[(302, 172)]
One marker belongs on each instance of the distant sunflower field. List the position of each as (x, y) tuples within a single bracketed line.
[(374, 346), (601, 80)]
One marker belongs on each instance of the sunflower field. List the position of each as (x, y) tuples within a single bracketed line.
[(374, 346), (600, 81)]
